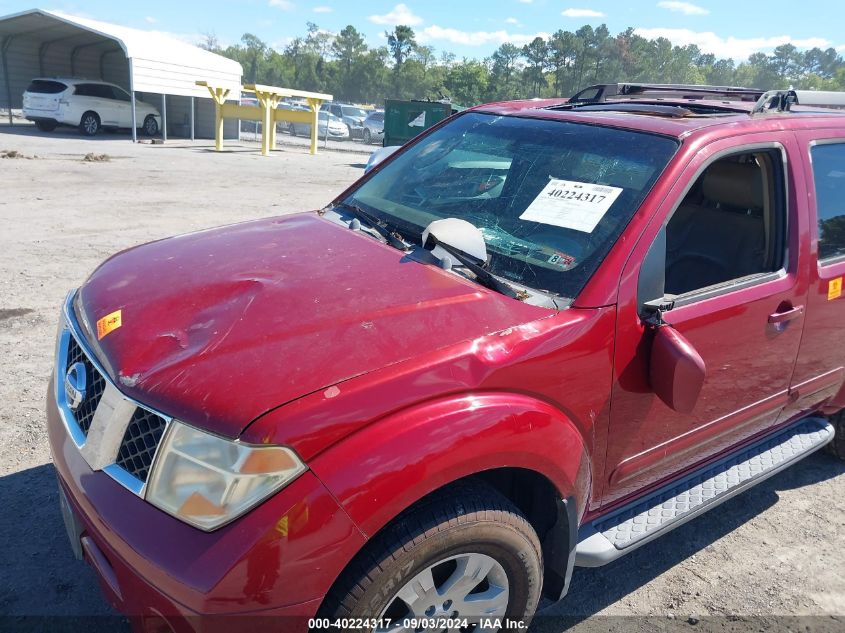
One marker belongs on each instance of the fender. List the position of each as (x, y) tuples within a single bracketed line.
[(385, 468)]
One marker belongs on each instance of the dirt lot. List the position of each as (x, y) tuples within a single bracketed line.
[(778, 550)]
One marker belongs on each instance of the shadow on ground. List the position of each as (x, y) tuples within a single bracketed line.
[(42, 583), (595, 589), (26, 129), (39, 575)]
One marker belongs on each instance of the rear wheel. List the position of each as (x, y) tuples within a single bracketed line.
[(837, 446), (89, 125), (464, 555), (150, 125), (46, 126)]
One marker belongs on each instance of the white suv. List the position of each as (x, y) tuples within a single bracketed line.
[(89, 105)]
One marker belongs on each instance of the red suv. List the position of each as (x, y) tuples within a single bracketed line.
[(540, 335)]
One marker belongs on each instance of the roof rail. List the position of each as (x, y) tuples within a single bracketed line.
[(821, 98), (783, 100), (600, 93)]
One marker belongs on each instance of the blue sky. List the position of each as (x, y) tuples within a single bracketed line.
[(727, 28)]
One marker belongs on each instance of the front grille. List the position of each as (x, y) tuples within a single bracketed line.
[(140, 442), (95, 385)]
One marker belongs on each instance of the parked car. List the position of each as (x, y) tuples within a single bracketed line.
[(285, 126), (538, 336), (353, 116), (337, 129), (374, 127), (88, 105)]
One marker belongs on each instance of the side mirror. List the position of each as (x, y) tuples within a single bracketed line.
[(379, 156), (458, 234), (676, 370)]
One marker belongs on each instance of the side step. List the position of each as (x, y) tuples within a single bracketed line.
[(612, 536)]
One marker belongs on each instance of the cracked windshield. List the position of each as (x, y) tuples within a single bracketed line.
[(550, 197)]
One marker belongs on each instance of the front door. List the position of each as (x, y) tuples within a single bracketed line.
[(736, 271), (123, 105)]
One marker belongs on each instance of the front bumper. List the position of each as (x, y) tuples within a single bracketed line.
[(277, 561)]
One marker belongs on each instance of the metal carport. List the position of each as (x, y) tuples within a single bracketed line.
[(38, 43)]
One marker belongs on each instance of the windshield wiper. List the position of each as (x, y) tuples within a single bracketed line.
[(378, 225), (482, 275)]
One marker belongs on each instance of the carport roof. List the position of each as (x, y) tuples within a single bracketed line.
[(159, 63)]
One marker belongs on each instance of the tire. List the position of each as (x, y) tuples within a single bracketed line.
[(46, 126), (150, 125), (837, 446), (89, 124), (367, 137), (442, 539)]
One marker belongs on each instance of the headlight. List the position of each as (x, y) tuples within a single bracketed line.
[(207, 481)]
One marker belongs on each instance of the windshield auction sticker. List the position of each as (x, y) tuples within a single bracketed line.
[(579, 206), (109, 323)]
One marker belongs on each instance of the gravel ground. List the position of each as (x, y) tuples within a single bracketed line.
[(768, 559)]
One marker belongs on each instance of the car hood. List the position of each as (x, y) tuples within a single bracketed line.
[(220, 326)]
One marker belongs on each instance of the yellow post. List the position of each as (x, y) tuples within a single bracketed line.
[(268, 101), (314, 104), (219, 95)]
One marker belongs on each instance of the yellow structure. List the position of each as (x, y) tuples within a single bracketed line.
[(269, 98)]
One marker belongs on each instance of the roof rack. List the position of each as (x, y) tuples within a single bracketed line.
[(783, 100), (600, 93)]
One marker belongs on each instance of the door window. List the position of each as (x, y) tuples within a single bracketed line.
[(120, 94), (829, 176), (730, 225), (85, 90), (102, 91)]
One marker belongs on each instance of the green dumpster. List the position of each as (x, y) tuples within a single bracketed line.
[(403, 120)]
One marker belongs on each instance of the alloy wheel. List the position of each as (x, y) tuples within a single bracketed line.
[(471, 587), (90, 124)]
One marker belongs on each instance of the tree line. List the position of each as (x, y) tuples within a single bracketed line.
[(344, 65)]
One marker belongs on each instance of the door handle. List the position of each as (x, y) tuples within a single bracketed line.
[(779, 318)]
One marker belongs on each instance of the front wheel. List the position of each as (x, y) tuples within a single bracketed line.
[(150, 125), (467, 556), (367, 136), (89, 125)]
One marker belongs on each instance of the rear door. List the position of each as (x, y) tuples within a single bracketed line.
[(93, 98), (737, 271), (820, 369)]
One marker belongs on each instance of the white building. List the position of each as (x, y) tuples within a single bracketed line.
[(153, 67)]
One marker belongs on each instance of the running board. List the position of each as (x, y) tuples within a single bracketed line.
[(612, 536)]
